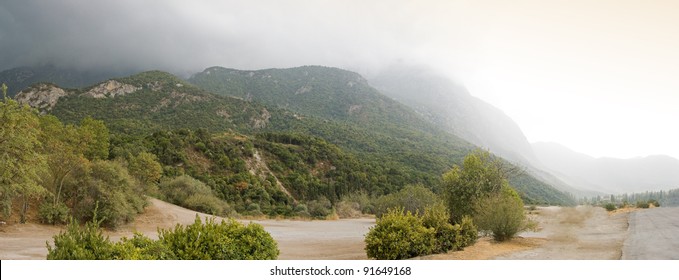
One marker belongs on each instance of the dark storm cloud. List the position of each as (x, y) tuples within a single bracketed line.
[(183, 36)]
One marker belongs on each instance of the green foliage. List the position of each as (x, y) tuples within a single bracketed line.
[(319, 208), (20, 161), (53, 213), (468, 232), (140, 247), (447, 236), (412, 198), (87, 243), (95, 138), (399, 236), (360, 200), (220, 241), (193, 194), (610, 207), (643, 204), (479, 176), (145, 168), (207, 203), (198, 241), (108, 184), (501, 214)]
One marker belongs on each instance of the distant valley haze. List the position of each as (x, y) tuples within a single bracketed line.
[(600, 78)]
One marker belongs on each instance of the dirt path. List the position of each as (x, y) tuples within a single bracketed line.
[(567, 233), (341, 239), (580, 233)]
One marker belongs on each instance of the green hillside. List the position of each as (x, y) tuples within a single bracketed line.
[(383, 147)]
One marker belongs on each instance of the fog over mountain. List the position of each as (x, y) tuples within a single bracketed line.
[(597, 77), (609, 175)]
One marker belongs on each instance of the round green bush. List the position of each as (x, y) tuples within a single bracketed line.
[(228, 240), (399, 236)]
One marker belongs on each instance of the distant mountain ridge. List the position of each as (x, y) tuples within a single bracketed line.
[(20, 78), (452, 107), (610, 175)]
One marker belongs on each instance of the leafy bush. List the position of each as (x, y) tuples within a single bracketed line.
[(413, 198), (482, 175), (209, 240), (301, 210), (188, 192), (643, 204), (108, 186), (362, 199), (81, 244), (654, 202), (177, 190), (209, 204), (140, 247), (399, 236), (610, 207), (320, 208), (468, 232), (53, 214), (254, 209), (348, 209), (447, 235), (219, 241), (501, 214)]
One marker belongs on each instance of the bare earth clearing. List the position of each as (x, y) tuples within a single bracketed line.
[(567, 233)]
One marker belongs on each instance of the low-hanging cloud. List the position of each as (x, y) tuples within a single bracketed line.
[(183, 36)]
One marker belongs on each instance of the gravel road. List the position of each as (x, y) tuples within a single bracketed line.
[(653, 235)]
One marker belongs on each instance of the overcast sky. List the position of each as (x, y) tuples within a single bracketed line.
[(600, 77)]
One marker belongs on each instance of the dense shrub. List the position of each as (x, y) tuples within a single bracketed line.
[(301, 210), (447, 235), (399, 235), (209, 204), (177, 190), (502, 214), (320, 208), (53, 213), (108, 185), (348, 209), (87, 243), (188, 192), (468, 232), (610, 207), (643, 204), (140, 247), (219, 241), (412, 198), (198, 241)]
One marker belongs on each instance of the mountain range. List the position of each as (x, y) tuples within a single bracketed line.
[(409, 120)]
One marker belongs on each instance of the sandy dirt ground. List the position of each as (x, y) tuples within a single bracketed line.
[(566, 233), (580, 233), (339, 239)]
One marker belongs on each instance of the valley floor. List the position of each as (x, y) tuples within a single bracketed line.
[(566, 233)]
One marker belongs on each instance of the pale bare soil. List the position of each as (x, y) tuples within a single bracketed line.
[(339, 239), (566, 233), (580, 233)]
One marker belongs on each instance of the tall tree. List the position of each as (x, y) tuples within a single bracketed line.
[(95, 138), (480, 175), (20, 161), (63, 153)]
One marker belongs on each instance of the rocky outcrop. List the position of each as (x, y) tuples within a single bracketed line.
[(262, 120), (41, 96), (111, 88)]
